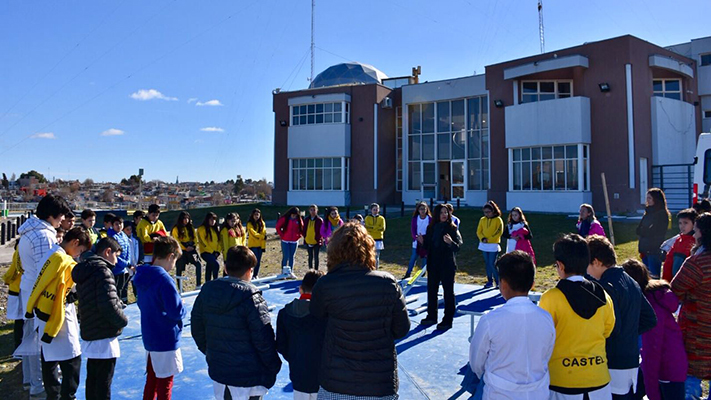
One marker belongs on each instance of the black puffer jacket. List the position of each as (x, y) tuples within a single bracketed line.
[(633, 316), (232, 327), (100, 309), (365, 313), (652, 230)]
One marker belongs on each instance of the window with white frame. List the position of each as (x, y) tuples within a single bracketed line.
[(398, 149), (550, 168), (705, 59), (533, 91), (320, 113), (319, 174), (707, 114), (669, 88), (478, 143)]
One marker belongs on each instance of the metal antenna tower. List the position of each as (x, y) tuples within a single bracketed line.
[(540, 26), (313, 6)]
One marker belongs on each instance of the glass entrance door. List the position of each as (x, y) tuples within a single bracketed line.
[(458, 177), (429, 180)]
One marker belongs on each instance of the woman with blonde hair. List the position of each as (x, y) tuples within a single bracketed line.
[(351, 288)]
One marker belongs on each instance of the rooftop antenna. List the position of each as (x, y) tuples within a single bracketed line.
[(313, 6), (540, 26)]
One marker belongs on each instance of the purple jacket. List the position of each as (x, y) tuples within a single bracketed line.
[(663, 353), (326, 229)]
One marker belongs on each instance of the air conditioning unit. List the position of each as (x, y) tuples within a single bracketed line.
[(387, 103)]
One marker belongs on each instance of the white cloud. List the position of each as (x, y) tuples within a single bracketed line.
[(212, 103), (112, 132), (44, 135), (212, 129), (198, 141), (192, 100), (150, 94)]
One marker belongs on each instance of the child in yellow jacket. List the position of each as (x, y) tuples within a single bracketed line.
[(14, 307), (232, 233), (489, 232), (256, 238), (209, 245), (375, 225), (52, 302)]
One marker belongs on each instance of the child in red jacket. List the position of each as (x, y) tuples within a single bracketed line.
[(681, 249)]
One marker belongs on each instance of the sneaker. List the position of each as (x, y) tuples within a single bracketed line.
[(488, 285), (428, 322), (444, 325), (198, 287), (40, 395), (292, 276), (407, 276)]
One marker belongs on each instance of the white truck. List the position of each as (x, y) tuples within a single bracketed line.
[(702, 168)]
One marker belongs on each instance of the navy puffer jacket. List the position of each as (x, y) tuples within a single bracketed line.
[(232, 327)]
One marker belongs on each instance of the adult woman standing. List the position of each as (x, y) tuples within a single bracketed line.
[(332, 223), (652, 230), (184, 233), (692, 285), (421, 219), (209, 245), (289, 228), (256, 238), (347, 290), (442, 242)]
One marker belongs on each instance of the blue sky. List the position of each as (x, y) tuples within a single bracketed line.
[(97, 89)]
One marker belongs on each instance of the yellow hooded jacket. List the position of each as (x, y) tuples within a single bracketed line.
[(256, 239), (186, 237), (491, 229), (208, 245), (375, 226), (144, 230), (49, 294), (13, 275), (230, 241)]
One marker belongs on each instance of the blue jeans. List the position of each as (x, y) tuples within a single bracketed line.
[(692, 387), (654, 264), (413, 261), (490, 261), (287, 254), (257, 253), (212, 267)]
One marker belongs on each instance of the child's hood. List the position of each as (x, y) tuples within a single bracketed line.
[(147, 275), (227, 293), (34, 224), (298, 308), (584, 297)]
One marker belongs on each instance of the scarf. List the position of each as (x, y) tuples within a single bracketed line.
[(334, 222)]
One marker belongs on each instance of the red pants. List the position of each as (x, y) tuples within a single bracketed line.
[(160, 387)]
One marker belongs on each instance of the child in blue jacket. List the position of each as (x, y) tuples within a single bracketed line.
[(162, 314)]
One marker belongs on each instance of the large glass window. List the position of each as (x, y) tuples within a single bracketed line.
[(320, 113), (705, 59), (478, 143), (669, 88), (532, 91), (549, 168), (318, 174), (398, 148)]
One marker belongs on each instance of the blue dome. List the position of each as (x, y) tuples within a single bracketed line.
[(348, 74)]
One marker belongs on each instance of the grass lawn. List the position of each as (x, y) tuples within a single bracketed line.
[(398, 246)]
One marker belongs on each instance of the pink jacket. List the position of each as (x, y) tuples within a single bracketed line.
[(326, 230), (663, 352), (522, 243), (289, 230)]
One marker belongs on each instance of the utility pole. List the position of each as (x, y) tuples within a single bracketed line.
[(540, 26), (313, 7)]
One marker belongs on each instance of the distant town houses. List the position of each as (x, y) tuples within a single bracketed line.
[(24, 192)]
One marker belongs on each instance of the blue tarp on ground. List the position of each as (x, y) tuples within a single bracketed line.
[(430, 362)]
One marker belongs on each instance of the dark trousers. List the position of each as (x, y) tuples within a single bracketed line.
[(212, 267), (99, 374), (189, 258), (313, 255), (435, 276), (17, 332), (257, 253), (67, 388), (122, 286), (672, 390)]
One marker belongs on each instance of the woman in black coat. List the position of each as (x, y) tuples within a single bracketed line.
[(652, 231), (365, 313), (442, 241)]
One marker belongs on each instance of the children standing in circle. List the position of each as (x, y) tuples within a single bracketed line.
[(375, 225), (184, 233), (312, 235), (289, 228), (332, 223), (231, 233), (418, 228), (257, 238), (209, 245), (489, 232), (518, 234), (652, 230), (588, 223)]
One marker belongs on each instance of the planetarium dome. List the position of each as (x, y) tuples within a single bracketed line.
[(347, 74)]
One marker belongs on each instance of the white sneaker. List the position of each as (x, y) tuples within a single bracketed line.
[(286, 270)]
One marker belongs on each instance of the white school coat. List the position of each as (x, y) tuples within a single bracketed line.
[(511, 348)]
